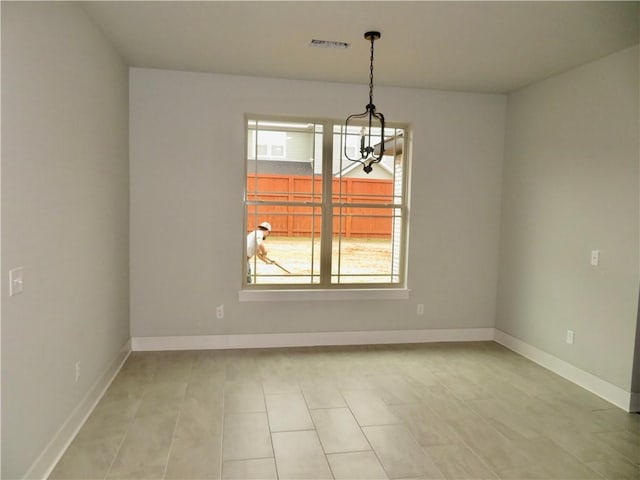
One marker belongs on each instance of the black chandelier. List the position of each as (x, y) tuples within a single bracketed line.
[(373, 122)]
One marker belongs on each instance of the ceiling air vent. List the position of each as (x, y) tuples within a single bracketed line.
[(328, 44)]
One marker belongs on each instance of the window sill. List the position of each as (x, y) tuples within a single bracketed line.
[(323, 294)]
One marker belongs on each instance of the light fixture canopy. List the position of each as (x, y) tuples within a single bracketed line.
[(370, 122)]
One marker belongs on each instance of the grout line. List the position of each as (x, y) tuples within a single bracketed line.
[(106, 475), (266, 412), (126, 433), (315, 429), (462, 441), (175, 427), (365, 437)]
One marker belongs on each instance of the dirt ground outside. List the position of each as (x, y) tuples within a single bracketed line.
[(360, 260)]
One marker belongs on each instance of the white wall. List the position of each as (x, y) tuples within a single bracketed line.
[(64, 219), (187, 147), (571, 185)]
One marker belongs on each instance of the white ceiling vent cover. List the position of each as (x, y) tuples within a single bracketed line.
[(328, 44)]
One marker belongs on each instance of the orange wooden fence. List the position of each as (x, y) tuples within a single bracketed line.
[(289, 220)]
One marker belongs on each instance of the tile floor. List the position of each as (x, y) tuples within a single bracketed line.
[(434, 411)]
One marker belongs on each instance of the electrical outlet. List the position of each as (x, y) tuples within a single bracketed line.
[(77, 371), (420, 309), (15, 281), (595, 257), (220, 311), (569, 338)]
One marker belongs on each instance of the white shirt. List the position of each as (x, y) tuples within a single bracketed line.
[(254, 239)]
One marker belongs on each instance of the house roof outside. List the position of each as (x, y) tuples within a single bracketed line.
[(279, 167), (275, 167)]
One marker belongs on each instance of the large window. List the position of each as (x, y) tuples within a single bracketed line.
[(332, 225)]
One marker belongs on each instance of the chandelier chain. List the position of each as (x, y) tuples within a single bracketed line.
[(371, 74)]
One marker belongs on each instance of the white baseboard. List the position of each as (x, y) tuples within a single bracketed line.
[(50, 456), (611, 393), (266, 340)]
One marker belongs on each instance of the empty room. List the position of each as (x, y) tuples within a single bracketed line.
[(320, 240)]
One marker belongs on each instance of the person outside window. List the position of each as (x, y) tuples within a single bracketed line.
[(255, 245)]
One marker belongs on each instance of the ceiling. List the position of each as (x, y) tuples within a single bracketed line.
[(465, 46)]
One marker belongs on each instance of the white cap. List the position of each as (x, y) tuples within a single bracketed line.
[(266, 226)]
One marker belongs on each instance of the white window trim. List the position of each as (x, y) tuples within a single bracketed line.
[(364, 291)]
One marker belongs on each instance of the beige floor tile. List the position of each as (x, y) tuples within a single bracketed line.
[(394, 389), (125, 387), (242, 397), (419, 376), (463, 388), (427, 427), (138, 367), (206, 390), (339, 431), (576, 398), (140, 472), (589, 448), (174, 367), (209, 378), (209, 364), (620, 469), (544, 457), (322, 395), (503, 388), (161, 399), (458, 462), (195, 458), (109, 419), (544, 471), (242, 367), (368, 408), (497, 451), (200, 418), (299, 456), (624, 442), (399, 453), (352, 379), (288, 411), (548, 419), (145, 449), (280, 384), (87, 460), (356, 466), (246, 436), (504, 418), (443, 403), (613, 420), (255, 469)]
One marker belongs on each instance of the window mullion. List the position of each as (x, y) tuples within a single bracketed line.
[(327, 211)]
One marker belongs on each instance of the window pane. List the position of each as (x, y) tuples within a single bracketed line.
[(294, 244), (367, 212), (292, 171), (366, 246)]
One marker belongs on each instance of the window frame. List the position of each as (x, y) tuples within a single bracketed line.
[(251, 291)]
